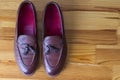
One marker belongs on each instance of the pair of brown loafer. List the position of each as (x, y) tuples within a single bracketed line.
[(53, 39)]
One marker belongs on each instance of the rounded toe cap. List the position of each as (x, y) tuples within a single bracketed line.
[(27, 70), (53, 71)]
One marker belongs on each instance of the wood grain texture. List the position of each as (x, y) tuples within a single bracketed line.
[(93, 35)]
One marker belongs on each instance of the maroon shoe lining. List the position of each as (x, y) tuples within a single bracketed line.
[(52, 21), (26, 21)]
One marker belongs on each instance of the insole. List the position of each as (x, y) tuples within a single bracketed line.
[(52, 21), (28, 30), (26, 23)]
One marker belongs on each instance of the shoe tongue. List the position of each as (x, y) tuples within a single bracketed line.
[(52, 43), (26, 39), (53, 40)]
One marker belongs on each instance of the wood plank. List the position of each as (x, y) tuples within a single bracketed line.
[(108, 56), (68, 5), (116, 72), (85, 20), (92, 36), (103, 73), (81, 53)]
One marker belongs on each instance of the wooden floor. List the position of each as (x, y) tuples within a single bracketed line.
[(93, 35)]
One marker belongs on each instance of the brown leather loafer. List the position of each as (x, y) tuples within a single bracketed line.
[(54, 43), (25, 39)]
